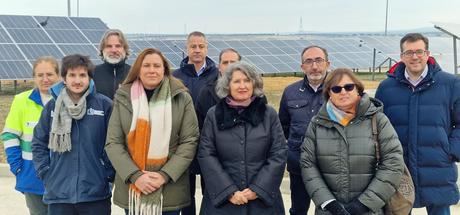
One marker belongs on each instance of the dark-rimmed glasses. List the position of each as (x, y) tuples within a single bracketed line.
[(418, 53), (347, 87), (309, 61)]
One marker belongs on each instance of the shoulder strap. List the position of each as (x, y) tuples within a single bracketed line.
[(375, 134)]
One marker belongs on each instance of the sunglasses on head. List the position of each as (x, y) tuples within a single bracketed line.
[(347, 87)]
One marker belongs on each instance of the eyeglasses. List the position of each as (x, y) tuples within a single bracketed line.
[(418, 53), (318, 61), (347, 87)]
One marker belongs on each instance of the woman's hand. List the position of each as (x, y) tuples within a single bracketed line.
[(249, 194), (145, 184), (238, 198), (157, 179)]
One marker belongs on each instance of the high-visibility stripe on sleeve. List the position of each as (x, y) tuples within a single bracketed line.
[(27, 155), (11, 143)]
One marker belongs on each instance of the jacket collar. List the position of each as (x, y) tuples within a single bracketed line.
[(367, 107), (190, 68), (227, 117), (35, 96), (306, 85), (397, 71), (55, 90)]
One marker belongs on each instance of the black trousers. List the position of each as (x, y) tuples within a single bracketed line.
[(101, 207)]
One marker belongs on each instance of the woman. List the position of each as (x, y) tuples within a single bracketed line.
[(338, 159), (23, 116), (242, 153), (68, 143), (152, 138)]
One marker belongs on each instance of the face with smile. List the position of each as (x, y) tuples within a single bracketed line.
[(77, 81), (113, 51), (241, 87), (152, 71), (415, 56), (345, 100), (45, 76)]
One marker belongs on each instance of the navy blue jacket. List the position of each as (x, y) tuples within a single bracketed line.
[(426, 118), (298, 105), (187, 74), (83, 173)]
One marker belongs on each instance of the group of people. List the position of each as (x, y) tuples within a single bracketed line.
[(143, 132)]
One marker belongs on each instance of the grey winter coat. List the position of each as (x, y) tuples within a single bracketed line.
[(339, 162), (239, 151)]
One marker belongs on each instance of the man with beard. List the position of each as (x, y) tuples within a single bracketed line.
[(299, 103), (113, 50)]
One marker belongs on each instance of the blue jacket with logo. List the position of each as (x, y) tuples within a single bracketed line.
[(299, 103), (83, 173), (426, 119)]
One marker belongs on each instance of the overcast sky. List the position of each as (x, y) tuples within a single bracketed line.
[(247, 16)]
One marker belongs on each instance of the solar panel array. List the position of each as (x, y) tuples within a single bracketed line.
[(24, 38), (270, 55)]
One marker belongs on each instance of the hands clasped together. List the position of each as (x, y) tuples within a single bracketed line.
[(149, 182), (242, 197)]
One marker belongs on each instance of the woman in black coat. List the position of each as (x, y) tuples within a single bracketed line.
[(242, 152)]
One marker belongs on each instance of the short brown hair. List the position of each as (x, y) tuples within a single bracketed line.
[(76, 61), (196, 34), (326, 55), (413, 37), (335, 76), (136, 68)]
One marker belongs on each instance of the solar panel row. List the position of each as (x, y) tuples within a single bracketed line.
[(24, 38)]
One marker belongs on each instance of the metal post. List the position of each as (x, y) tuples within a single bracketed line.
[(386, 19), (15, 86), (78, 8), (455, 56), (68, 8), (373, 64)]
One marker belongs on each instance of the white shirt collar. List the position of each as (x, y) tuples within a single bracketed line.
[(416, 82)]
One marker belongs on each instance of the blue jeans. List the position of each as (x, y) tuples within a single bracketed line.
[(300, 201), (164, 213)]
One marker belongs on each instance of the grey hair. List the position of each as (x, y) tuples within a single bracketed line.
[(223, 83)]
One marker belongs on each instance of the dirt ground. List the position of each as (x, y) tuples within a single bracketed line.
[(273, 86)]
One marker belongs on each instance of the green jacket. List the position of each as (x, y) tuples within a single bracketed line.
[(339, 162), (182, 147)]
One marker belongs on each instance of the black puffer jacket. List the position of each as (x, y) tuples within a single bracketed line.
[(239, 151)]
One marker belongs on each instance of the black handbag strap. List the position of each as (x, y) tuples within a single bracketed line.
[(375, 134)]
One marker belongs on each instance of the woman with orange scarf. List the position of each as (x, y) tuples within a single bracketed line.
[(152, 138)]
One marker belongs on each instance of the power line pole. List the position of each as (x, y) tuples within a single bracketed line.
[(386, 19)]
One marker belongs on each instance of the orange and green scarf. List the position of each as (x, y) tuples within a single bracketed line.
[(148, 141)]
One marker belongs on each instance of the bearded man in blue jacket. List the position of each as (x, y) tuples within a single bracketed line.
[(423, 104)]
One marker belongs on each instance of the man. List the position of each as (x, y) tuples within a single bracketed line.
[(196, 71), (208, 97), (68, 143), (423, 104), (299, 103), (17, 133), (114, 51)]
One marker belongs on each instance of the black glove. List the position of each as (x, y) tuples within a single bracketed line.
[(336, 208), (355, 207)]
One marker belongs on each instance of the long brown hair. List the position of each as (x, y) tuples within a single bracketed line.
[(136, 68)]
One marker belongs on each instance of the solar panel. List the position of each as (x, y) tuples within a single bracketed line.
[(67, 36), (10, 52), (4, 38), (88, 50), (29, 36), (13, 70), (33, 51), (13, 21), (54, 22), (89, 23)]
